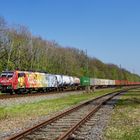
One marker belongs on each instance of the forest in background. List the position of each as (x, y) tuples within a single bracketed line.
[(20, 49)]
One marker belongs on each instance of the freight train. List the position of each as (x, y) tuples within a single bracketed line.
[(28, 81)]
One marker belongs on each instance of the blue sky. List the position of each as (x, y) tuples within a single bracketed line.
[(108, 29)]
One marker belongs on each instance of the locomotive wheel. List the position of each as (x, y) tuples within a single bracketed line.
[(12, 92)]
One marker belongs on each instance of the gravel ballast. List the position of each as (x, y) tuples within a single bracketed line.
[(24, 123), (94, 128), (32, 99)]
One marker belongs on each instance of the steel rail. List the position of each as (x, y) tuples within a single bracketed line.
[(8, 96), (49, 121), (85, 118)]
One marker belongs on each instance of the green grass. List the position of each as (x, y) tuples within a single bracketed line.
[(46, 107), (125, 122)]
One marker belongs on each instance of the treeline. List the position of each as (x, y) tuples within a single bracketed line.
[(20, 49)]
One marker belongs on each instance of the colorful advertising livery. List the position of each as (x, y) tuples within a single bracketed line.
[(19, 81), (25, 79)]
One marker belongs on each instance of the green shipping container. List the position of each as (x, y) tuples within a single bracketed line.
[(85, 81)]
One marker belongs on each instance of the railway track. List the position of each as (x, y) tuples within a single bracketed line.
[(63, 126), (8, 96)]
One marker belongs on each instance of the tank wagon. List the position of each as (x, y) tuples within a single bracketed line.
[(28, 81)]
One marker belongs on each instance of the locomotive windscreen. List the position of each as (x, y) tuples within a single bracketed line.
[(7, 74)]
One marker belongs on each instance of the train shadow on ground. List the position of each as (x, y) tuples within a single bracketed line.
[(130, 98), (124, 102), (137, 91), (132, 94)]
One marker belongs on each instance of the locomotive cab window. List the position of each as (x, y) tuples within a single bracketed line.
[(7, 74), (10, 75), (3, 75)]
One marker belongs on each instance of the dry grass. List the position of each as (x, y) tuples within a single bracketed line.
[(22, 116), (45, 107), (125, 123)]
